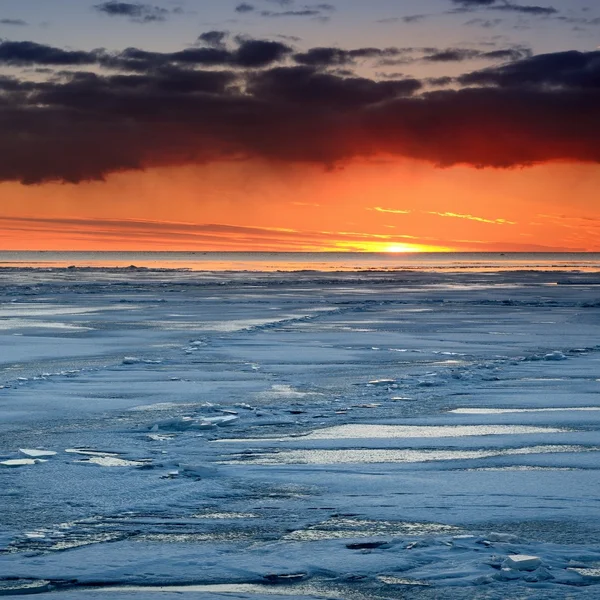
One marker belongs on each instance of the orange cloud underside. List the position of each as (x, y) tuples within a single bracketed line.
[(378, 206)]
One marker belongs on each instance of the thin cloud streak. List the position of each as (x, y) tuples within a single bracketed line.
[(451, 215), (471, 218), (198, 236)]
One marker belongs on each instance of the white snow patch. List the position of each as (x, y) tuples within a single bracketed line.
[(504, 411), (374, 431), (365, 456)]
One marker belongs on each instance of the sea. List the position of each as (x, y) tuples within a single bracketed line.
[(306, 261)]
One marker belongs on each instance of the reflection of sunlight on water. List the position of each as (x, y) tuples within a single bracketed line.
[(353, 456), (362, 431)]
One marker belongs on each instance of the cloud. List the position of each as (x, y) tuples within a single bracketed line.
[(305, 86), (308, 10), (16, 22), (201, 236), (244, 7), (334, 57), (171, 109), (485, 23), (506, 6), (569, 70), (451, 215), (30, 53), (413, 18), (249, 53), (528, 10), (470, 218), (390, 210), (259, 53), (474, 3), (139, 13), (215, 39), (328, 57), (462, 54)]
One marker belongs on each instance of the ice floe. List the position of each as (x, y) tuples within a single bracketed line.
[(34, 453)]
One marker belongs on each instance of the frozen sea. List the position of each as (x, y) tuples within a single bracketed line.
[(390, 430)]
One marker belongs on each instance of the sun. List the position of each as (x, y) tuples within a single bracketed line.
[(400, 248), (389, 247)]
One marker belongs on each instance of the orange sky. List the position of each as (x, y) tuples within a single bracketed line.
[(274, 125), (385, 205)]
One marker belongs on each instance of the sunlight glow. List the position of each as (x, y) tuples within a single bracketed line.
[(389, 247)]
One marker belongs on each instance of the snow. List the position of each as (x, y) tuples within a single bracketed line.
[(300, 435)]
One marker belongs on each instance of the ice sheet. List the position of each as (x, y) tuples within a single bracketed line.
[(388, 435)]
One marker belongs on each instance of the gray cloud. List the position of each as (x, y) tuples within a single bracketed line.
[(137, 12), (15, 22)]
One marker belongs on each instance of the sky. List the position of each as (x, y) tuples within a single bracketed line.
[(285, 125)]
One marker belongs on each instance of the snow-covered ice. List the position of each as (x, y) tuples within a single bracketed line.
[(358, 435)]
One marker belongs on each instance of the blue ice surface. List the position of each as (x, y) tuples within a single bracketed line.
[(132, 377)]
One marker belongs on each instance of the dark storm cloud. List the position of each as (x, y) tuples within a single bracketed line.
[(30, 53), (331, 57), (140, 13), (570, 70), (326, 57), (305, 86), (85, 125), (259, 53), (248, 54)]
